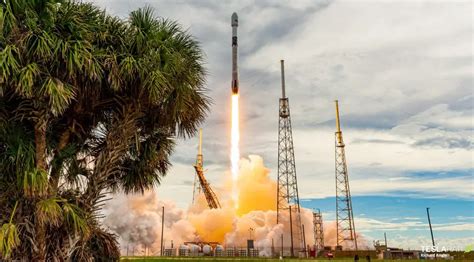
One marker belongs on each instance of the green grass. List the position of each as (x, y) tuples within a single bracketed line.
[(170, 259)]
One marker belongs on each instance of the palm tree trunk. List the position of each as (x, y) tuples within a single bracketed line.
[(40, 253), (40, 158), (40, 144), (55, 169)]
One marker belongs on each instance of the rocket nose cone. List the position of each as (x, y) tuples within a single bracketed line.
[(234, 19)]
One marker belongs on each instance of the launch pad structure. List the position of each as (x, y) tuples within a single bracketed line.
[(345, 226), (287, 189), (211, 198)]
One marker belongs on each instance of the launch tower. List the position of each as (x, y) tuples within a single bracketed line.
[(344, 217), (288, 201), (211, 197)]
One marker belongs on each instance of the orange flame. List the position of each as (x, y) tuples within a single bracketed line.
[(234, 150)]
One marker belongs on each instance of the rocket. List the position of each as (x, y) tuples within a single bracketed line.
[(235, 73)]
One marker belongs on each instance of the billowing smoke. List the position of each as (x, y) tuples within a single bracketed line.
[(330, 238), (137, 218), (137, 221)]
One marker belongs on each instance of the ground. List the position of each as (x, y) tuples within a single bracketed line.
[(209, 259), (158, 259)]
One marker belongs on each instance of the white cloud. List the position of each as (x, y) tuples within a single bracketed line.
[(454, 227), (365, 224), (402, 70)]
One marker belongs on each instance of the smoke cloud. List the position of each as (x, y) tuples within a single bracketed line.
[(137, 218)]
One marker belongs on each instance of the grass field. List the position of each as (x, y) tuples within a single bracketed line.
[(159, 259), (209, 259)]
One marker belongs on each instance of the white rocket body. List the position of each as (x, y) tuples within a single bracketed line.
[(235, 72)]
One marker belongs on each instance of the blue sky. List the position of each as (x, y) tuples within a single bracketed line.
[(405, 221), (403, 73)]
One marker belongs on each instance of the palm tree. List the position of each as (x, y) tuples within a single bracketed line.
[(90, 104)]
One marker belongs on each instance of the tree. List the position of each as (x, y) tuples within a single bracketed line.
[(89, 104)]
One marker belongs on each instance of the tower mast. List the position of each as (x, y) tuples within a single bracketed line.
[(345, 226), (287, 190)]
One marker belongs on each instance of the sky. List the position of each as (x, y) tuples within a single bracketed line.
[(403, 74)]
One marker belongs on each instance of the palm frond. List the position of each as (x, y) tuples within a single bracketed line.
[(9, 237), (48, 211), (9, 20), (60, 94), (142, 27), (100, 246), (9, 64), (34, 183), (75, 218), (27, 78), (39, 45)]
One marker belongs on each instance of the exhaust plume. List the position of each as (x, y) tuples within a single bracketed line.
[(137, 218), (234, 147)]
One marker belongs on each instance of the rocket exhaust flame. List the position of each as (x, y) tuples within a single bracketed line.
[(234, 149)]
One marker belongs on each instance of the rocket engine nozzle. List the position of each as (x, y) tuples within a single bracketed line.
[(235, 88)]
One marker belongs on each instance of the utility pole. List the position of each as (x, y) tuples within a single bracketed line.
[(304, 243), (273, 248), (431, 229), (281, 245), (162, 228), (291, 235)]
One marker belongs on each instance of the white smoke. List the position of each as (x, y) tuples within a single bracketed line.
[(137, 218)]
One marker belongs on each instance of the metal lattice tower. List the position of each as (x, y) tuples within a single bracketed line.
[(287, 193), (318, 230), (211, 198), (344, 217), (199, 162)]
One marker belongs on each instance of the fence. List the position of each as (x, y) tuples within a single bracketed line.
[(232, 252), (228, 252)]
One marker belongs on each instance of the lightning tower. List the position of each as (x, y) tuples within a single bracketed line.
[(287, 193), (344, 217), (318, 230)]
